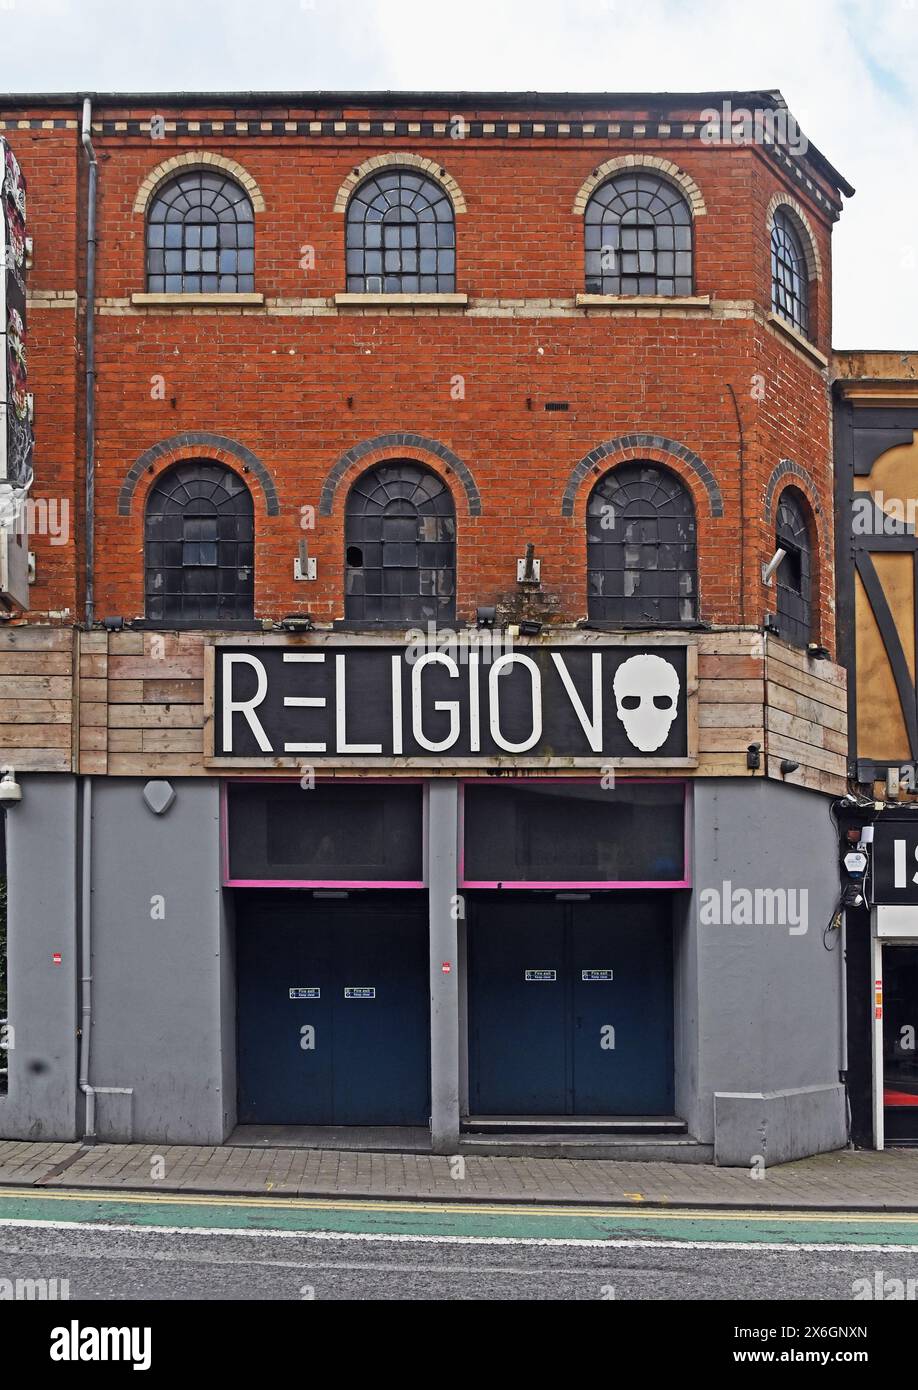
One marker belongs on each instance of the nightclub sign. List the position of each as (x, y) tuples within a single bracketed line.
[(536, 705)]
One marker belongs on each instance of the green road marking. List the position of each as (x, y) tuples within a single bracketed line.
[(452, 1219)]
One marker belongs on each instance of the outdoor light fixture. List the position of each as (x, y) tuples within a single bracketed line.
[(296, 622), (529, 627), (788, 766), (10, 790), (771, 624), (816, 652), (113, 624), (754, 757), (485, 617), (852, 896)]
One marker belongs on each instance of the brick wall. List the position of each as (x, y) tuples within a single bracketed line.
[(298, 382)]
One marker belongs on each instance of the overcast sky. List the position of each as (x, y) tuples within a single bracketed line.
[(848, 69)]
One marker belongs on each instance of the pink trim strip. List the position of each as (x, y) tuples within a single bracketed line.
[(312, 882)]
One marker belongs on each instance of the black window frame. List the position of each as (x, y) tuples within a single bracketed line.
[(794, 609), (790, 274), (386, 493), (193, 489), (611, 219), (190, 210), (654, 494), (404, 198)]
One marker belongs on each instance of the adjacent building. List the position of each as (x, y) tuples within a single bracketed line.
[(426, 712)]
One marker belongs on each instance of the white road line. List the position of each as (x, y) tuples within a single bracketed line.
[(612, 1244)]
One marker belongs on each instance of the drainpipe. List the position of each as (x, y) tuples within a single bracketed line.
[(89, 1128), (90, 362)]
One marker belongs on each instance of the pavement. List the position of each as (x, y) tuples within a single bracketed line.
[(846, 1180)]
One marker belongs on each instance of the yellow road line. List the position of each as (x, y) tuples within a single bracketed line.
[(457, 1207)]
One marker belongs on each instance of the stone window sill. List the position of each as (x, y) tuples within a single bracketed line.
[(611, 302), (196, 301), (401, 301), (798, 339)]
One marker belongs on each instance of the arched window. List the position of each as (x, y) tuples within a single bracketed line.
[(400, 546), (641, 549), (200, 236), (638, 237), (200, 543), (793, 579), (790, 289), (400, 236)]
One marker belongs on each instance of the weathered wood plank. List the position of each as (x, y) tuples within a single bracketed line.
[(727, 740), (783, 747), (43, 759), (36, 712), (173, 692), (36, 639), (93, 714), (717, 716), (93, 740), (17, 663), (35, 736), (719, 692), (92, 689), (172, 740), (720, 667), (780, 722), (155, 765), (189, 666), (779, 697), (155, 716), (125, 644), (93, 666), (829, 692), (125, 740), (34, 688), (746, 642), (125, 692)]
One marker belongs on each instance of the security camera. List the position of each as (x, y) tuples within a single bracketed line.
[(10, 790), (769, 569)]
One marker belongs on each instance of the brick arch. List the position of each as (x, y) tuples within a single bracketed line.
[(784, 474), (805, 228), (664, 167), (637, 448), (197, 159), (431, 167), (198, 444), (404, 446)]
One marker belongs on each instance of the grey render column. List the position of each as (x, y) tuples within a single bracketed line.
[(443, 872)]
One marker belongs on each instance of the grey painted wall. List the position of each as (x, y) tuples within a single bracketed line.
[(162, 999), (769, 1018), (41, 841)]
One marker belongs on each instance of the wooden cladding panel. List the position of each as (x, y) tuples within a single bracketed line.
[(137, 705)]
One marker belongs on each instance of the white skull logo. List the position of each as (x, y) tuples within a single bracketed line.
[(646, 692)]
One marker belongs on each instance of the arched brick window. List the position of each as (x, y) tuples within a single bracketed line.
[(400, 546), (400, 235), (199, 546), (200, 236), (638, 237), (793, 580), (790, 290), (641, 548)]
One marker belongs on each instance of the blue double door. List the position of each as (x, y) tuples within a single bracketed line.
[(333, 1011), (570, 1005)]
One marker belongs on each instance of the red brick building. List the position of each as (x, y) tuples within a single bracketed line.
[(532, 314)]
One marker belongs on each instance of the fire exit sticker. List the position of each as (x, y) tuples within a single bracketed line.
[(360, 991), (539, 975), (305, 992), (596, 974)]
